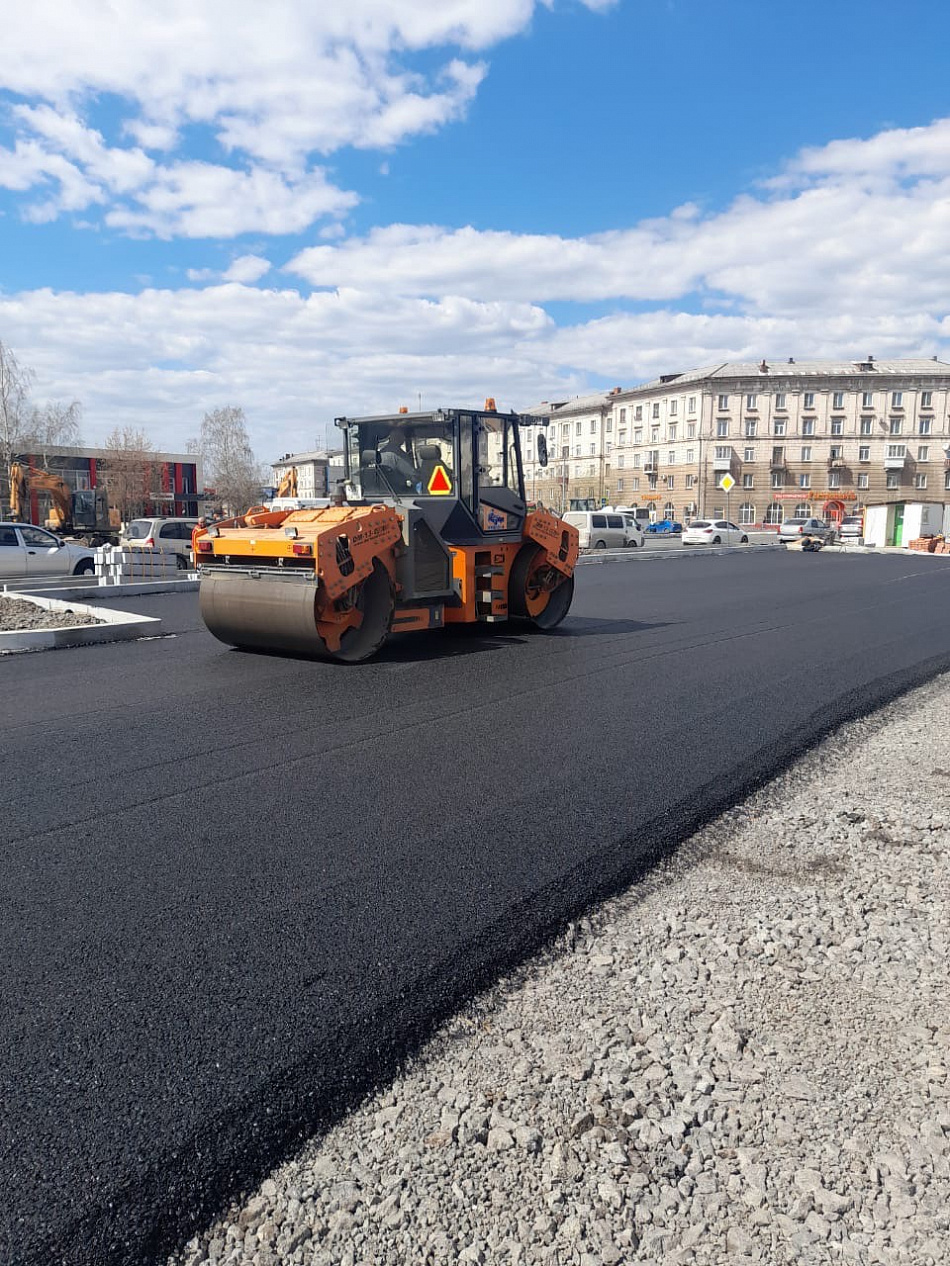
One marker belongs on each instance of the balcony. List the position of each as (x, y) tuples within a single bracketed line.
[(836, 463), (650, 467), (724, 463), (895, 462)]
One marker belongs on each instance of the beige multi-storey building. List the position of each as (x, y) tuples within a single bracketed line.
[(580, 449), (810, 437)]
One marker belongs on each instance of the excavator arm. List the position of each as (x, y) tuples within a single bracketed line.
[(24, 480)]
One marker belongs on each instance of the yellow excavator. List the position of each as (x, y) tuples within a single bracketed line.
[(432, 528), (288, 484), (85, 513)]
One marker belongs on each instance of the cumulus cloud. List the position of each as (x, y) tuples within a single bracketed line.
[(855, 226), (276, 84)]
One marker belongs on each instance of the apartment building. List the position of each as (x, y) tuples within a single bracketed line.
[(580, 451), (815, 437)]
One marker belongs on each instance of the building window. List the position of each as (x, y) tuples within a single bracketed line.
[(806, 452), (674, 407), (748, 481), (723, 450), (946, 479), (565, 430), (610, 425), (864, 453), (837, 452), (867, 400), (672, 431), (920, 481), (837, 400), (623, 417), (722, 427), (723, 402), (669, 509), (638, 413), (926, 399), (897, 450), (748, 454), (690, 454), (670, 481), (746, 513), (779, 427), (691, 430), (691, 405), (803, 510), (620, 485), (891, 480), (636, 484), (780, 400), (923, 452), (896, 426), (577, 428), (862, 481), (774, 513), (897, 399), (925, 425), (636, 461), (866, 426), (654, 435), (808, 400), (804, 481), (621, 437), (834, 478), (778, 479), (638, 435), (750, 401), (808, 426), (690, 481), (620, 461), (837, 426), (656, 410), (750, 425), (671, 457)]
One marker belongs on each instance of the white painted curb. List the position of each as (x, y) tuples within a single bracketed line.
[(116, 626), (686, 551)]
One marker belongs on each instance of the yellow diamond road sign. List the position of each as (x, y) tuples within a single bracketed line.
[(727, 483)]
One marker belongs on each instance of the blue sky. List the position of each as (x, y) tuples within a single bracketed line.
[(307, 213)]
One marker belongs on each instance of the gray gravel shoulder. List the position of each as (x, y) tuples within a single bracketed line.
[(16, 615), (743, 1060)]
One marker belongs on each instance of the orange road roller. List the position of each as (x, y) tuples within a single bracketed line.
[(431, 528)]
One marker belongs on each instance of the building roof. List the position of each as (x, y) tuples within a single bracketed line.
[(315, 455), (591, 403), (915, 366)]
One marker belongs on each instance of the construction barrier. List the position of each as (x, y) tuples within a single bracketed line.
[(116, 566)]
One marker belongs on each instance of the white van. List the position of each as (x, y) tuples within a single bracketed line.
[(599, 529)]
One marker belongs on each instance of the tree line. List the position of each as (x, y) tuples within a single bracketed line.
[(130, 467)]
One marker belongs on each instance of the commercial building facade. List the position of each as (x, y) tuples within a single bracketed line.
[(823, 437), (172, 483), (318, 471)]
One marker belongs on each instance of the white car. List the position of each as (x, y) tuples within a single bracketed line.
[(633, 530), (161, 536), (27, 551), (713, 532)]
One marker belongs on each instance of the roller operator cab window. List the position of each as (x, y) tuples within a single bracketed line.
[(415, 458), (497, 455)]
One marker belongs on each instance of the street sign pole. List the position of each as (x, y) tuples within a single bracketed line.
[(726, 483)]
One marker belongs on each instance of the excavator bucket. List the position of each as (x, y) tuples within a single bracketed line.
[(435, 530)]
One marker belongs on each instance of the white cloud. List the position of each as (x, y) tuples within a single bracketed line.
[(247, 268), (854, 227), (275, 83)]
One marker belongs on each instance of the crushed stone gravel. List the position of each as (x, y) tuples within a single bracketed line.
[(744, 1059), (17, 615)]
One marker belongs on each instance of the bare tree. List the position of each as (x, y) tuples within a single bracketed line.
[(230, 462), (131, 472), (24, 428)]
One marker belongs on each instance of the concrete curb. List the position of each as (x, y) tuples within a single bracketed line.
[(20, 588), (691, 551), (116, 626)]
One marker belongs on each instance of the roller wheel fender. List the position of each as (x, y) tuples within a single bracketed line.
[(528, 600), (84, 568)]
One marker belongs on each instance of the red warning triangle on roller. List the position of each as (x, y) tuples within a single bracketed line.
[(440, 485)]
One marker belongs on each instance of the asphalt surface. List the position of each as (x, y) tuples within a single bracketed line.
[(237, 888)]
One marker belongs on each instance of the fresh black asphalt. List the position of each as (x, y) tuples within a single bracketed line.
[(236, 888)]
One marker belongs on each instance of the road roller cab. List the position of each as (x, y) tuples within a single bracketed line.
[(434, 530)]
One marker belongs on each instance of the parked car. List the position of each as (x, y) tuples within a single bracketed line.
[(714, 532), (792, 529), (164, 536), (665, 527), (851, 526), (634, 531), (599, 530), (27, 551)]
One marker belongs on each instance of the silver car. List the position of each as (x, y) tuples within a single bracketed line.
[(162, 536), (795, 529), (28, 552)]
